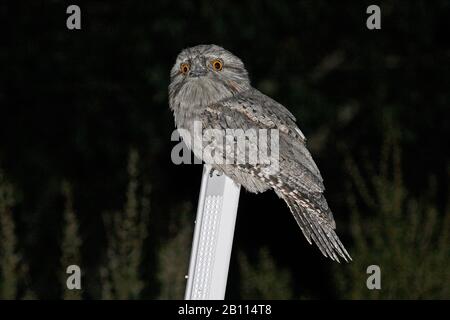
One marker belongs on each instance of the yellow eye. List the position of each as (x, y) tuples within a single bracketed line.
[(184, 68), (217, 64)]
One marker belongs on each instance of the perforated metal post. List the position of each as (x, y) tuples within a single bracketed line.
[(213, 237)]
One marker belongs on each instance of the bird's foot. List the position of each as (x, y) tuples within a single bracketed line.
[(215, 172)]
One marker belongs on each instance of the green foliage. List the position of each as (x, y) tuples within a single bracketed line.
[(406, 236), (71, 243), (264, 280), (9, 258), (127, 231), (174, 256), (13, 269)]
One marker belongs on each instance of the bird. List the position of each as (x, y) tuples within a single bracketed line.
[(211, 86)]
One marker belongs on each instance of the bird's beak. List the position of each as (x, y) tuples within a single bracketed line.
[(197, 72)]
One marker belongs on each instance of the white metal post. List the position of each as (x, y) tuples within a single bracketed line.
[(213, 237)]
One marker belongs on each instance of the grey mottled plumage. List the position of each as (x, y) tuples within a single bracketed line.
[(223, 98)]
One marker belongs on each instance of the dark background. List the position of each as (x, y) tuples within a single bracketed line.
[(73, 103)]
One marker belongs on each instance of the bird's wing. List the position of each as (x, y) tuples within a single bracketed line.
[(252, 109), (298, 181)]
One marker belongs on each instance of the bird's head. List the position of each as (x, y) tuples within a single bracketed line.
[(205, 74)]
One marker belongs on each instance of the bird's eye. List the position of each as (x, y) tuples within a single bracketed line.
[(217, 64), (184, 68)]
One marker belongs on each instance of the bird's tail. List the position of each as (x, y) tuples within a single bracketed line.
[(317, 226)]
